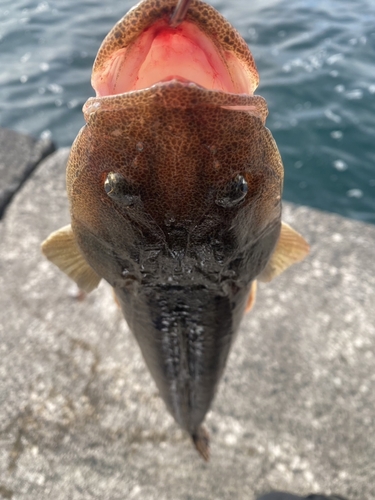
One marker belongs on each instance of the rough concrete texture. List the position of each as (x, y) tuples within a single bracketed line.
[(80, 417), (20, 154)]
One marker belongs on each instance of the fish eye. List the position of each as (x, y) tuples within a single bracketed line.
[(233, 193), (117, 188)]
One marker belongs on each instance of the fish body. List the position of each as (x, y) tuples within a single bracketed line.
[(175, 187)]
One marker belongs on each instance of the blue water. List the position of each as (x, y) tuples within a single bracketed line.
[(316, 61)]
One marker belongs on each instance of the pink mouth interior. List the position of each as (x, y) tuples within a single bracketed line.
[(162, 53)]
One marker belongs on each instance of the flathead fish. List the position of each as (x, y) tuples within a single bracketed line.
[(175, 186)]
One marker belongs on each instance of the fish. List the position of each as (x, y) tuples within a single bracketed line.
[(174, 187)]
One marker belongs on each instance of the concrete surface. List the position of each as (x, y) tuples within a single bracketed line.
[(20, 154), (80, 417)]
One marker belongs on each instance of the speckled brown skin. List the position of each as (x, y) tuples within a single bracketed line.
[(181, 262)]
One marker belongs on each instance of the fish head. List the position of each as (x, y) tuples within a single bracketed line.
[(175, 152)]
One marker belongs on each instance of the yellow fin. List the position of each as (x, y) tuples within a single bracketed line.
[(290, 248), (251, 297), (61, 248)]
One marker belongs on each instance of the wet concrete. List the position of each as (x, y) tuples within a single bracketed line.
[(20, 155)]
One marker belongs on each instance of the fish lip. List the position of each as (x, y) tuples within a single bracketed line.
[(180, 92), (168, 94), (229, 56)]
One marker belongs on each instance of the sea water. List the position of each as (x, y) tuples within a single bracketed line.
[(316, 61)]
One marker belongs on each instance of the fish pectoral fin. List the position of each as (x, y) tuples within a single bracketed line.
[(251, 297), (61, 248), (290, 248)]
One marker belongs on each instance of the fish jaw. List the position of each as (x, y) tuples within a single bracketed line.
[(143, 50)]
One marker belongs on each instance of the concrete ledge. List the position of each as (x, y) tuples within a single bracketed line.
[(80, 417), (20, 154)]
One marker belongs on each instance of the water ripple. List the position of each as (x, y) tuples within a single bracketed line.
[(315, 59)]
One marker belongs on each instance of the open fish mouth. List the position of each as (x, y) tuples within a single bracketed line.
[(143, 50), (162, 53)]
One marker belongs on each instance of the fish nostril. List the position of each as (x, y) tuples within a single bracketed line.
[(233, 193), (117, 188)]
